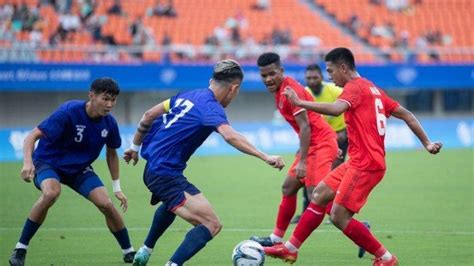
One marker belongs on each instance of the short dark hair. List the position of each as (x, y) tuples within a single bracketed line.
[(227, 70), (269, 58), (105, 84), (341, 55), (314, 67)]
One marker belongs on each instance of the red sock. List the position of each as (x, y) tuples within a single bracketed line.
[(328, 208), (362, 236), (309, 221), (285, 213)]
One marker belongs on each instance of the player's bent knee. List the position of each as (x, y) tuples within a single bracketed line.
[(290, 188), (214, 226), (340, 218), (322, 195), (105, 205), (285, 191), (319, 198), (334, 218), (50, 196)]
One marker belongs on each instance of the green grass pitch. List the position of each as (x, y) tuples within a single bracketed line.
[(423, 211)]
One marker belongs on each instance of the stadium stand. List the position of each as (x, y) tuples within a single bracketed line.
[(429, 25), (199, 30)]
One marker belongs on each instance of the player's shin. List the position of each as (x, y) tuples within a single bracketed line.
[(124, 240), (285, 212), (161, 221), (194, 241), (362, 236), (29, 230), (310, 220)]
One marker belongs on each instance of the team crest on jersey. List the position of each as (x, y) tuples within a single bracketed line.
[(104, 133)]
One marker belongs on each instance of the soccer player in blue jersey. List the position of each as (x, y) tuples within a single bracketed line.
[(169, 133), (71, 139)]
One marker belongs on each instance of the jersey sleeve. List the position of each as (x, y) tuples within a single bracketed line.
[(215, 116), (390, 105), (113, 139), (350, 95), (55, 125)]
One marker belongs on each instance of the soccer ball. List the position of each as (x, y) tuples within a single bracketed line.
[(248, 253)]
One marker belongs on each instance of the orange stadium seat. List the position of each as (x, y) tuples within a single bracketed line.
[(451, 17), (197, 19)]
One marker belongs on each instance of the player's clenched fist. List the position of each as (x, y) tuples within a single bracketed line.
[(130, 155), (275, 161), (291, 95), (28, 171), (434, 147)]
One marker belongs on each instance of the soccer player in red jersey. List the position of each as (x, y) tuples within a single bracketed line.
[(365, 109), (318, 145)]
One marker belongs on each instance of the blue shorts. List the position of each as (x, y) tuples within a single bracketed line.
[(83, 182), (167, 189)]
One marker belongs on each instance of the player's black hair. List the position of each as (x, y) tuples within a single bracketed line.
[(266, 59), (105, 84), (341, 55), (227, 71), (314, 67)]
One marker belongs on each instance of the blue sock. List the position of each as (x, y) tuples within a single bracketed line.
[(122, 238), (161, 221), (194, 241), (29, 230)]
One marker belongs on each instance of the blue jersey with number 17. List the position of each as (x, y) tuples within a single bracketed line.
[(174, 137)]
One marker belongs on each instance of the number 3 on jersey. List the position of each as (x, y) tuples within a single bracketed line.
[(179, 103), (380, 116)]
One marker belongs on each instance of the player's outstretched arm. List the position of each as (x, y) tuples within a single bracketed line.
[(336, 108), (417, 129), (143, 127), (113, 164), (28, 169), (236, 139)]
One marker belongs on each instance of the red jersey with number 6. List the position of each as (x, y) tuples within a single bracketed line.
[(366, 118)]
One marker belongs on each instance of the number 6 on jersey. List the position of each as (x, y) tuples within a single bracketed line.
[(380, 116)]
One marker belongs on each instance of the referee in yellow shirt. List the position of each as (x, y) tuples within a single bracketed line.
[(327, 92)]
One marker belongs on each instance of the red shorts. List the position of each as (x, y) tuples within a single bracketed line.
[(318, 162), (352, 186)]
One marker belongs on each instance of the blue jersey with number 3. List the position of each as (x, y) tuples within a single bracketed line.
[(72, 140), (174, 137)]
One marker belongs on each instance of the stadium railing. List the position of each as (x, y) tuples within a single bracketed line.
[(178, 53)]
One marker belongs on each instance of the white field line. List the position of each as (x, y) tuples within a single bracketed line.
[(268, 230)]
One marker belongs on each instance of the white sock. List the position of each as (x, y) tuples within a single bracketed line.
[(386, 256), (170, 263), (128, 250), (291, 247), (149, 250), (275, 238), (20, 245)]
